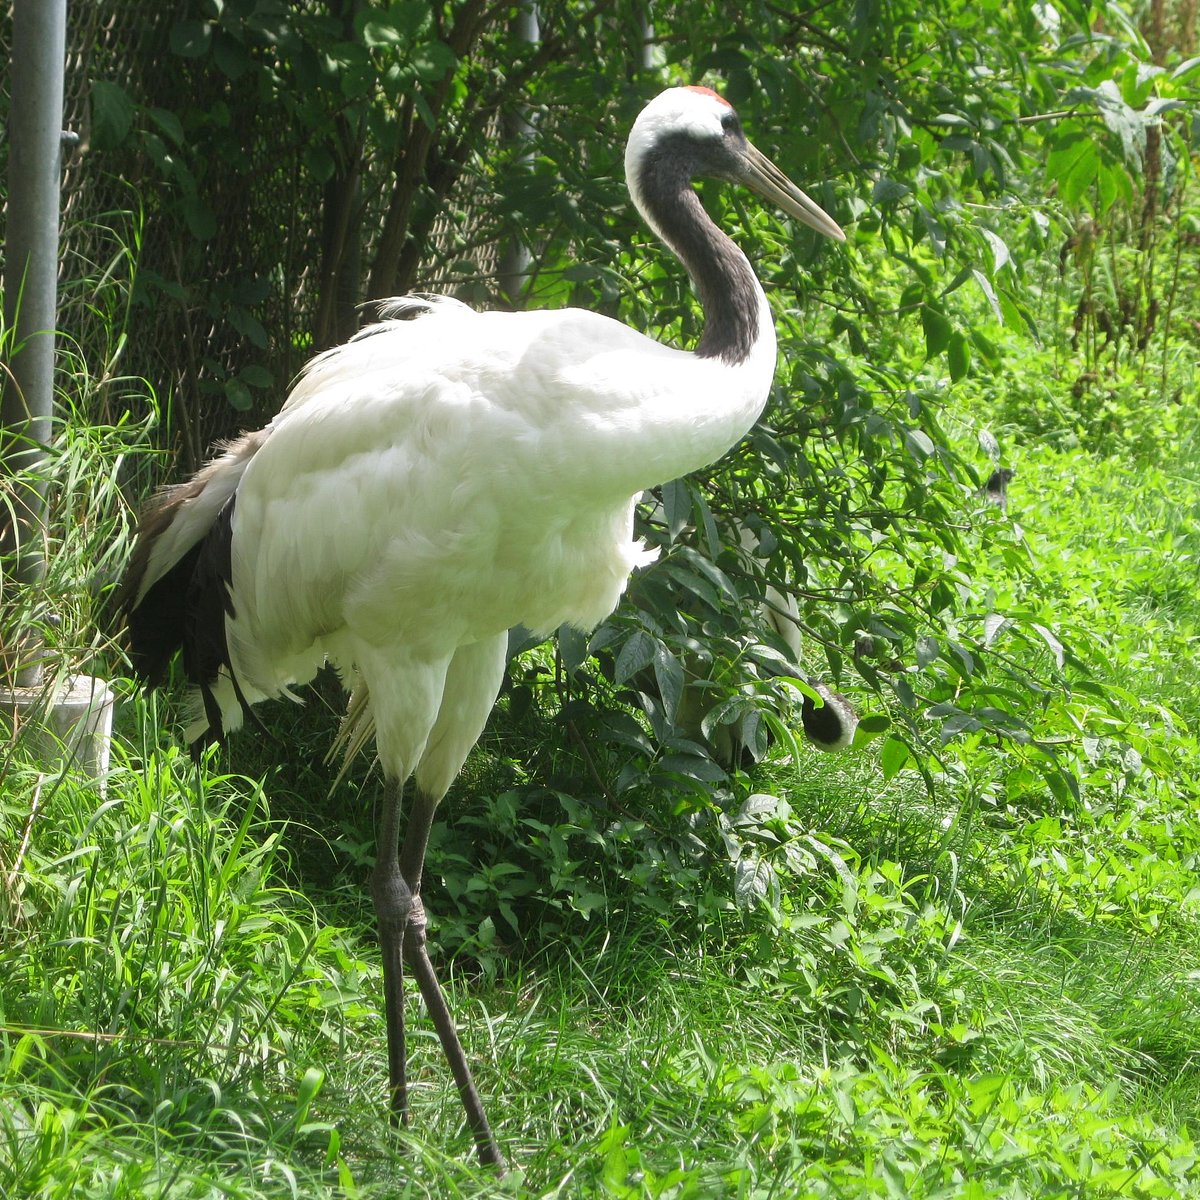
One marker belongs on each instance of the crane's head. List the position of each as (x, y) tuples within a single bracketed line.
[(697, 133)]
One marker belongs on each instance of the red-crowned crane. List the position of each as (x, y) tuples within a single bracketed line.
[(437, 480)]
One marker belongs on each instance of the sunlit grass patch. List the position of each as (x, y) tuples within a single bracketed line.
[(158, 978)]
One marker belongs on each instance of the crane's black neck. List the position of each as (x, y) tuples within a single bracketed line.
[(728, 290)]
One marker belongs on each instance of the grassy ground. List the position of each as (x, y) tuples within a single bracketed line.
[(879, 1048), (986, 993), (953, 1001)]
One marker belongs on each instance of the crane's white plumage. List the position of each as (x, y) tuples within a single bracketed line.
[(439, 479), (369, 526)]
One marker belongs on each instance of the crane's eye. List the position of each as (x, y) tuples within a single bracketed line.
[(731, 124)]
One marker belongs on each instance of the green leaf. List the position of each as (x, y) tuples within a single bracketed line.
[(726, 713), (573, 647), (382, 33), (912, 295), (231, 56), (318, 162), (712, 573), (238, 395), (751, 880), (310, 1085), (1017, 315), (250, 327), (201, 222), (992, 624), (692, 582), (169, 124), (397, 25), (677, 506), (112, 115), (938, 331), (691, 766), (986, 347), (1072, 144), (985, 286), (965, 663), (1108, 185), (256, 376), (1063, 785), (1079, 175), (616, 1160), (889, 191), (432, 61), (1128, 124), (250, 290), (669, 674), (853, 331), (1056, 647), (919, 444), (928, 650), (893, 757), (758, 807), (190, 39), (636, 655), (1001, 254), (958, 356), (875, 723), (21, 1052)]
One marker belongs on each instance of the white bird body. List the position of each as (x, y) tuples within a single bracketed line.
[(438, 480), (333, 549)]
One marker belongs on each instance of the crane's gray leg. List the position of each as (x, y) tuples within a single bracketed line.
[(465, 693), (393, 906), (412, 860)]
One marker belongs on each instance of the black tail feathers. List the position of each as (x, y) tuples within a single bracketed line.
[(185, 548)]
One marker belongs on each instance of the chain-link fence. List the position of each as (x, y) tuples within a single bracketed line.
[(189, 203)]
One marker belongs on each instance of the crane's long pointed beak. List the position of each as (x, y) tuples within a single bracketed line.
[(765, 178)]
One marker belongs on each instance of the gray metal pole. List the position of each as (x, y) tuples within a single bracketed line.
[(514, 262), (648, 37), (30, 275)]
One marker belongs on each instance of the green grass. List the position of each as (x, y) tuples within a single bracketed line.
[(178, 1022), (980, 993)]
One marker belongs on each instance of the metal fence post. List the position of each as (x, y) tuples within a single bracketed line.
[(30, 283), (513, 267), (72, 717)]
